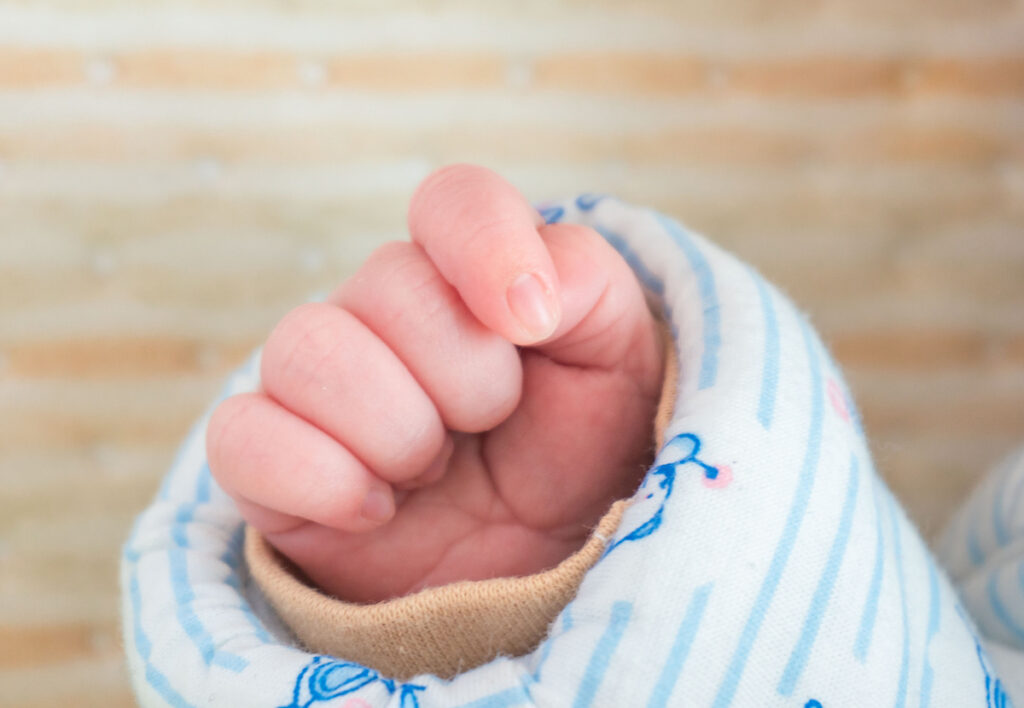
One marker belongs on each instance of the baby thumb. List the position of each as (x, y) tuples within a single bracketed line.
[(605, 322)]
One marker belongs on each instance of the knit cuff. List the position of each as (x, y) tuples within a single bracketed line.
[(440, 630)]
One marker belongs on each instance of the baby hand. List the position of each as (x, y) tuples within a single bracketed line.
[(403, 440)]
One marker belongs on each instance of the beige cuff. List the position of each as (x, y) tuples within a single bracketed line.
[(441, 630)]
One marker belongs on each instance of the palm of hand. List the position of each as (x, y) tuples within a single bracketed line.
[(512, 501)]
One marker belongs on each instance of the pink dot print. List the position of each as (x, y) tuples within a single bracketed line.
[(835, 395), (722, 480)]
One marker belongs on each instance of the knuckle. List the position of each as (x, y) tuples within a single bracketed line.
[(344, 501), (402, 288), (417, 442), (295, 345), (488, 394), (411, 271), (227, 430), (389, 252)]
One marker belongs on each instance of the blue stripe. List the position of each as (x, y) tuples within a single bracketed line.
[(182, 588), (514, 696), (770, 372), (232, 558), (165, 486), (1018, 490), (184, 514), (870, 611), (709, 300), (998, 498), (901, 689), (233, 553), (973, 545), (552, 214), (797, 511), (643, 273), (822, 593), (1001, 612), (258, 630), (531, 679), (157, 681), (190, 622), (197, 429), (602, 656), (546, 651), (927, 673), (129, 552), (680, 648), (203, 484)]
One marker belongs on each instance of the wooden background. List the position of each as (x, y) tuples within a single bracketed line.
[(175, 176)]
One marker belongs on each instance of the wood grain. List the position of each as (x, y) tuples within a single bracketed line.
[(174, 178)]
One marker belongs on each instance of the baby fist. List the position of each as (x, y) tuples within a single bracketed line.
[(466, 406)]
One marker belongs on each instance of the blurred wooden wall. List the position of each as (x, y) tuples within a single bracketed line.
[(175, 176)]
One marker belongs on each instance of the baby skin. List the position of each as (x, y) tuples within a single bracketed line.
[(467, 406)]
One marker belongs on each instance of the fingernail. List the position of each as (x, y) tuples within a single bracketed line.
[(531, 303), (378, 506)]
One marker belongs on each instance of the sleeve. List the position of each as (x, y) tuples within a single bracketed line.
[(441, 630), (762, 561)]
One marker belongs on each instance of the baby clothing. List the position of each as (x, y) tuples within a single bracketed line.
[(762, 562)]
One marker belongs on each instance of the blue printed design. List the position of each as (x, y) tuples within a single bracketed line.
[(708, 291), (901, 687), (1018, 490), (515, 696), (326, 678), (184, 594), (870, 611), (673, 666), (658, 484), (770, 371), (552, 215), (648, 279), (819, 602), (1001, 611), (780, 557), (154, 677), (927, 672), (597, 667), (995, 692), (586, 202), (1003, 535)]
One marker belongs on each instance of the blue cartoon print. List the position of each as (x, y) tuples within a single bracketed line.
[(326, 678), (586, 202), (995, 692), (552, 214), (681, 450)]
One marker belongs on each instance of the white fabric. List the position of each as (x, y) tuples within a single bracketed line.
[(764, 562), (983, 550)]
